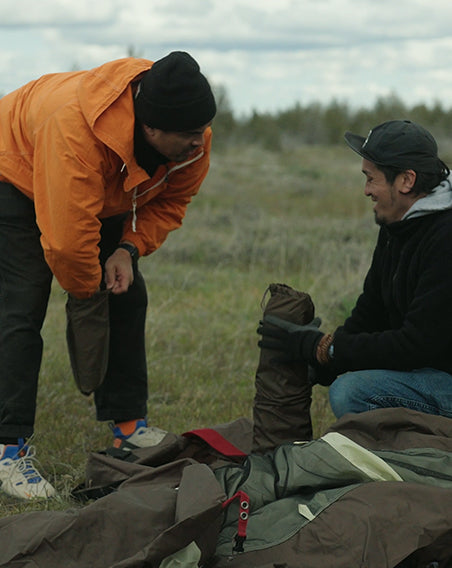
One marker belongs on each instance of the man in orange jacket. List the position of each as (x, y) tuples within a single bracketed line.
[(96, 168)]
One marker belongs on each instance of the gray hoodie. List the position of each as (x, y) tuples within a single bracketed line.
[(439, 200)]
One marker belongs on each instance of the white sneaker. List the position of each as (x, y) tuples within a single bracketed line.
[(142, 436), (18, 474)]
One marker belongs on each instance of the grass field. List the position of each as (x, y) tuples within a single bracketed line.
[(299, 218)]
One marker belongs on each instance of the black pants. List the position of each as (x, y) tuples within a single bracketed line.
[(25, 283)]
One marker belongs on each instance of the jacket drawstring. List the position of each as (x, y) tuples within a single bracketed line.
[(134, 203), (134, 210), (244, 505), (160, 181)]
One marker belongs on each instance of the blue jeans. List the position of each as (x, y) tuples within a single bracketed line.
[(425, 390)]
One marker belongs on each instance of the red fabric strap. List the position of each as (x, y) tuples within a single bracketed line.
[(216, 441), (244, 505)]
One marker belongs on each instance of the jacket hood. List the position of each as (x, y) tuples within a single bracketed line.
[(439, 200), (105, 93), (108, 81)]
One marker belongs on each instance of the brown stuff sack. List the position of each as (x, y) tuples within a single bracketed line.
[(282, 402), (88, 337)]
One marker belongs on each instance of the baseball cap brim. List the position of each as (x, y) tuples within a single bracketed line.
[(355, 142)]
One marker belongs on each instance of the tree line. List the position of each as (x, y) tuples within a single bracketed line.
[(317, 123)]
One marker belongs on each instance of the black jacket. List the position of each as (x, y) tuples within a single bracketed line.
[(403, 318)]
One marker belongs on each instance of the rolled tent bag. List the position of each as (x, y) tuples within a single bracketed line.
[(282, 402), (88, 338)]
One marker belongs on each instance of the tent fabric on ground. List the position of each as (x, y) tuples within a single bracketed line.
[(374, 491)]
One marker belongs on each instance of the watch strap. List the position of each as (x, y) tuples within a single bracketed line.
[(131, 249)]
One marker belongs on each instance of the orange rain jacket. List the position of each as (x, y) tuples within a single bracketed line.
[(67, 142)]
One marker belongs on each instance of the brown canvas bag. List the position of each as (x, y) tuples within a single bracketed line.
[(88, 338), (281, 411)]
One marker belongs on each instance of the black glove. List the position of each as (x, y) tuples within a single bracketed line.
[(295, 342)]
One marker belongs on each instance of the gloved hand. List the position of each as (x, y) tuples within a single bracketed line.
[(295, 342)]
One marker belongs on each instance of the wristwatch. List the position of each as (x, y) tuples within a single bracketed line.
[(131, 249), (331, 351)]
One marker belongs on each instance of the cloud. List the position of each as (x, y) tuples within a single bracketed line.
[(55, 13), (267, 54)]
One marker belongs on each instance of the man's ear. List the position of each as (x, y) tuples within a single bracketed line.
[(408, 180)]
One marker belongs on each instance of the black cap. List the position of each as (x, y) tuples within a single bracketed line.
[(398, 143), (174, 95)]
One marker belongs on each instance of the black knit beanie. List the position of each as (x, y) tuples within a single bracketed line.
[(174, 95)]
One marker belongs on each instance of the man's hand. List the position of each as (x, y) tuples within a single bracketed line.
[(295, 342), (119, 272)]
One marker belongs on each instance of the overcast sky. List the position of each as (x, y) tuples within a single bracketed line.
[(268, 54)]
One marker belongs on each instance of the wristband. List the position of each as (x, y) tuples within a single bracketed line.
[(323, 349)]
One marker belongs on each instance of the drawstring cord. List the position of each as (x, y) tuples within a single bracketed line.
[(134, 203), (244, 505), (164, 179), (264, 298), (134, 210)]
